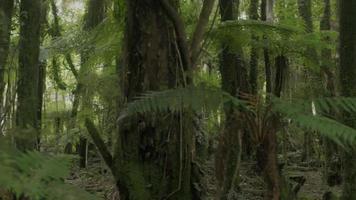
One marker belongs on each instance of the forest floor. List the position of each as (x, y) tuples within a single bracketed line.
[(96, 179)]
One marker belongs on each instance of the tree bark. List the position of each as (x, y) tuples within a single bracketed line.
[(151, 161), (330, 91), (28, 80), (347, 52), (234, 81), (268, 71), (305, 12), (253, 14), (6, 9)]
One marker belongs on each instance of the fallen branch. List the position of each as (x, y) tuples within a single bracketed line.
[(99, 143)]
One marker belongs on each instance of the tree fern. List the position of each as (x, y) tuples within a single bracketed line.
[(210, 99)]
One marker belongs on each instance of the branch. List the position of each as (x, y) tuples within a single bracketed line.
[(199, 32), (99, 143), (71, 65), (179, 28)]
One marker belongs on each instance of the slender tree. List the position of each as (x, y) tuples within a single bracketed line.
[(265, 9), (6, 9), (347, 72), (305, 12), (253, 14)]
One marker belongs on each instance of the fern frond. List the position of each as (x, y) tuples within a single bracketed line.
[(209, 99), (336, 104), (37, 175), (197, 99), (300, 113), (261, 26)]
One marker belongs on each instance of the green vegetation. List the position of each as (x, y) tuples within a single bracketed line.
[(177, 100)]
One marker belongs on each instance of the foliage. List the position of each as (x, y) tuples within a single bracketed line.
[(37, 175), (203, 98)]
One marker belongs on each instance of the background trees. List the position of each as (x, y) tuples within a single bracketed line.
[(175, 99)]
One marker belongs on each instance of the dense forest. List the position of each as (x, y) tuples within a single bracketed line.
[(178, 99)]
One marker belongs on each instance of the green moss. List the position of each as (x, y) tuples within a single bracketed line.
[(136, 182)]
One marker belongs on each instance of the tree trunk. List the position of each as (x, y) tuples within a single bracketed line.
[(305, 12), (271, 170), (152, 160), (330, 91), (253, 14), (234, 81), (326, 65), (347, 53), (28, 80), (267, 62), (6, 9), (94, 16), (304, 8)]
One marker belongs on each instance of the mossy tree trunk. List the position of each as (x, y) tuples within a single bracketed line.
[(347, 78), (6, 10), (153, 154), (234, 81), (28, 76)]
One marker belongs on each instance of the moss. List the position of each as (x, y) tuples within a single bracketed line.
[(136, 182)]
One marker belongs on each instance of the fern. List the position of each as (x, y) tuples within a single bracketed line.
[(278, 37), (300, 112), (261, 26), (37, 175), (196, 99), (210, 99), (336, 104)]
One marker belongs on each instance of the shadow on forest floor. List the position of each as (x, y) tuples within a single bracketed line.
[(97, 180)]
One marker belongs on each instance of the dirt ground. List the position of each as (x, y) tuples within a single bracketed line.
[(96, 179)]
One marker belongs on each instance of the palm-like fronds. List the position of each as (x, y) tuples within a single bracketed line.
[(300, 112), (209, 99), (196, 99), (277, 37)]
